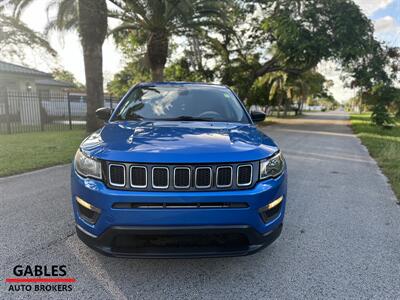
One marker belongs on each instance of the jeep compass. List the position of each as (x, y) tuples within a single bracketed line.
[(178, 170)]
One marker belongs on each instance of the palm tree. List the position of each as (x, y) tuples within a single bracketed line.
[(303, 86), (298, 89), (93, 31), (14, 34), (89, 17), (161, 19), (157, 20), (277, 87)]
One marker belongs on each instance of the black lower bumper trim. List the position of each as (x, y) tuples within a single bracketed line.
[(211, 241)]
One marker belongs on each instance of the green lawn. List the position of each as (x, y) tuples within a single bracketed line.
[(383, 145), (30, 151)]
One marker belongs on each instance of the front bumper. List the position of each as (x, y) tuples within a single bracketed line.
[(106, 244), (129, 224)]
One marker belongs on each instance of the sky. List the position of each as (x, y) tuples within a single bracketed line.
[(385, 15)]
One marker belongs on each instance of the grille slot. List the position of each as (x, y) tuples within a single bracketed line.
[(138, 177), (117, 175), (203, 177), (182, 177), (244, 175), (160, 177), (224, 176)]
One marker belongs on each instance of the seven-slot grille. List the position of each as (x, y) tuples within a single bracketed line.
[(180, 177)]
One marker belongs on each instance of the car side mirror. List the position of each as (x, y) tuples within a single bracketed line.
[(103, 113), (258, 116)]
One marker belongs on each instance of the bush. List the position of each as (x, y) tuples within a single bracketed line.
[(380, 115)]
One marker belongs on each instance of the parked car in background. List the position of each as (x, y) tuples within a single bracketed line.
[(179, 169)]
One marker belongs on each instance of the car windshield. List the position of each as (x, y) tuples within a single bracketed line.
[(181, 103)]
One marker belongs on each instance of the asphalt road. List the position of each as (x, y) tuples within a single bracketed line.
[(340, 239)]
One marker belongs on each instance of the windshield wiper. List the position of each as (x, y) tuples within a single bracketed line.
[(187, 118), (130, 118)]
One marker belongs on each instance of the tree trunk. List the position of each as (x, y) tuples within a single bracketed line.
[(279, 105), (93, 59), (285, 111), (301, 105), (157, 53), (157, 74), (93, 30)]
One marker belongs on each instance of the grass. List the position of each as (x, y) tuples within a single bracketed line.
[(382, 144), (17, 127), (30, 151)]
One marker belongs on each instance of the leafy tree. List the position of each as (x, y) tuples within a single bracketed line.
[(292, 37), (380, 115), (181, 71), (329, 102), (382, 97), (133, 72), (64, 75)]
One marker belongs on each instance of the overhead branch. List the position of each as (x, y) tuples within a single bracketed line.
[(273, 66)]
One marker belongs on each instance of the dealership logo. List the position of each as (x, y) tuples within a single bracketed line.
[(40, 278)]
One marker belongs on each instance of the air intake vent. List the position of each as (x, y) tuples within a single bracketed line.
[(117, 175), (182, 178), (138, 177), (203, 177), (245, 174), (186, 205), (160, 177), (224, 176)]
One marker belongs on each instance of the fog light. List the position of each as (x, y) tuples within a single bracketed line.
[(271, 211), (87, 211), (275, 203)]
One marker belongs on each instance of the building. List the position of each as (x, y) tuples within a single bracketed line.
[(18, 78)]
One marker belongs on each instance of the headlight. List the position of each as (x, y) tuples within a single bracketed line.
[(272, 167), (86, 166)]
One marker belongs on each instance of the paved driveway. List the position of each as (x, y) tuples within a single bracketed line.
[(341, 237)]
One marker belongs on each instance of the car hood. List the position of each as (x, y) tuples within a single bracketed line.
[(178, 142)]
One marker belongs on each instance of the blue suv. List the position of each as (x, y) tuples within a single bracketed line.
[(178, 170)]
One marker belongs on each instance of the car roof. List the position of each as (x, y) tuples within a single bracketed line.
[(180, 83)]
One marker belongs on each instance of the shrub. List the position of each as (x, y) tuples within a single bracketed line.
[(380, 115)]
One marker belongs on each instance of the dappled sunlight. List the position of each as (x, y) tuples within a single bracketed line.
[(327, 133), (309, 121), (394, 139)]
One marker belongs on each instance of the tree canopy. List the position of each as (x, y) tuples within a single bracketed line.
[(64, 75), (266, 50), (15, 34)]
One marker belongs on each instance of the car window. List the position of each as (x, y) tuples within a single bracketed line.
[(202, 103)]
